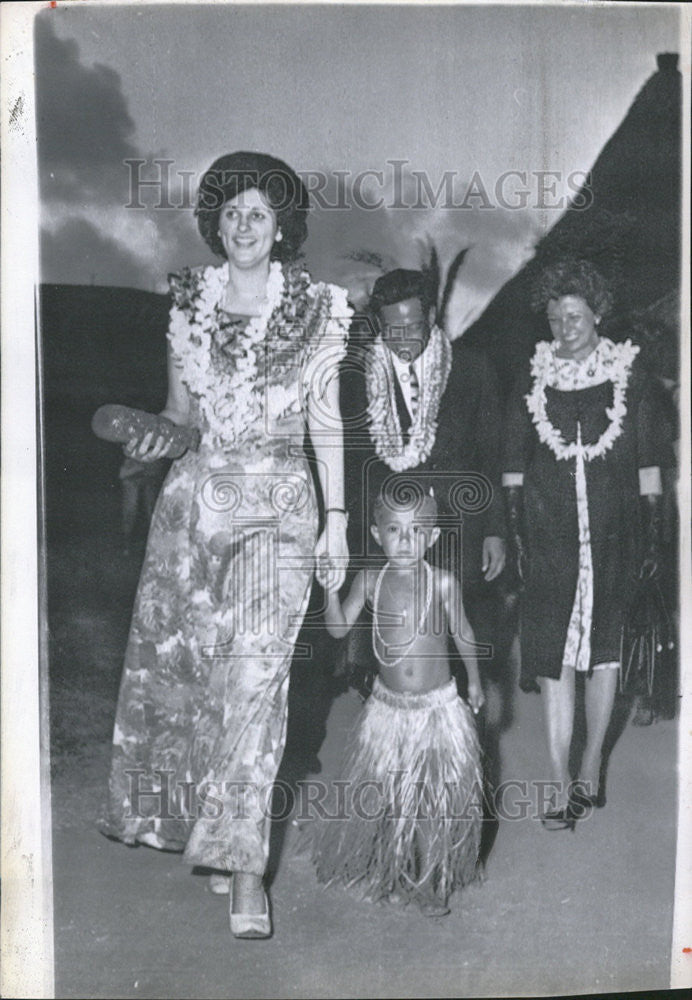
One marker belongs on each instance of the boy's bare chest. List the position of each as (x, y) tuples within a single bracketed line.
[(408, 612)]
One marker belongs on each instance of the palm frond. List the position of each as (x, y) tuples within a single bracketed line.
[(450, 282)]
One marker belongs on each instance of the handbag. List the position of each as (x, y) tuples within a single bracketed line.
[(647, 641)]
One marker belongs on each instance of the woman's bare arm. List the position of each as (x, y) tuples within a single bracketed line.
[(340, 617), (177, 409), (327, 437)]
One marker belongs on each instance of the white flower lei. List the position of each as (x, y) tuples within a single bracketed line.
[(385, 426), (227, 407), (615, 362)]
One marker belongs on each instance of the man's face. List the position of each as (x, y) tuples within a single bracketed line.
[(405, 328)]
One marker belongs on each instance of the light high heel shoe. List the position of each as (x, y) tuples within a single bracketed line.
[(251, 925), (220, 884)]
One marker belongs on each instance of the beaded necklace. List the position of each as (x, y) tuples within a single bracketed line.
[(424, 614)]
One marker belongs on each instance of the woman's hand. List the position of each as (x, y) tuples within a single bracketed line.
[(331, 553), (652, 511), (150, 448)]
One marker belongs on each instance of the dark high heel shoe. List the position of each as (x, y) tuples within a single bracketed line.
[(594, 801), (583, 798), (559, 819)]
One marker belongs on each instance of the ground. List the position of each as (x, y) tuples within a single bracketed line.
[(558, 912)]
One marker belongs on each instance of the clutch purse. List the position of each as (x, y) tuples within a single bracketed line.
[(647, 640), (120, 423)]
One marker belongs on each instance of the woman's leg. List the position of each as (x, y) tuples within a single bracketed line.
[(599, 698), (558, 706), (248, 893), (247, 686)]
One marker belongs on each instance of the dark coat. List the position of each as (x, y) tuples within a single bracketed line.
[(550, 507)]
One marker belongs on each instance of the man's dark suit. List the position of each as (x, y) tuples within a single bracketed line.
[(468, 440)]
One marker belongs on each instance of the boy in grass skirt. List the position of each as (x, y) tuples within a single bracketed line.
[(408, 828)]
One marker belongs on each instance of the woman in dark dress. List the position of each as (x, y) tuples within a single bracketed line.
[(582, 460)]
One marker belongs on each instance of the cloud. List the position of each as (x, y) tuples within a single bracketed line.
[(84, 132), (501, 241), (109, 245), (76, 253), (82, 116), (85, 135)]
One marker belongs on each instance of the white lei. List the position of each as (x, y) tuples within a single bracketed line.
[(385, 426), (228, 408), (608, 362)]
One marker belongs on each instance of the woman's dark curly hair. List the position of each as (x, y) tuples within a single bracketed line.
[(283, 190), (572, 277)]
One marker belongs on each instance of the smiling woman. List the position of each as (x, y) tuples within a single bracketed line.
[(254, 347), (248, 228), (266, 187), (584, 447)]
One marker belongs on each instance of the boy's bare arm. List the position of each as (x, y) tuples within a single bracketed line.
[(462, 634), (340, 617)]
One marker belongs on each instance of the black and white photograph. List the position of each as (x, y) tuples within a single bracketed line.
[(346, 499)]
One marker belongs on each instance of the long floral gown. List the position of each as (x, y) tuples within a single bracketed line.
[(201, 717)]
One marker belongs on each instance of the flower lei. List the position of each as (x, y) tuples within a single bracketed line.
[(385, 426), (210, 343), (614, 361)]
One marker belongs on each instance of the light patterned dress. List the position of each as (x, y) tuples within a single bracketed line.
[(201, 717)]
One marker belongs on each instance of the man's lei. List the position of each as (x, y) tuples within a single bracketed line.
[(385, 426)]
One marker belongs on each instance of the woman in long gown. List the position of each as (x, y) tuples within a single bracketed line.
[(583, 448), (254, 347)]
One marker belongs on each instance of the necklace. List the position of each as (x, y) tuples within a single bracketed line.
[(221, 356), (610, 362), (385, 426), (421, 622)]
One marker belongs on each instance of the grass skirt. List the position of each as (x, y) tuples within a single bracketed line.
[(408, 815)]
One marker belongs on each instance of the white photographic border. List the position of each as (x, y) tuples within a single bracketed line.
[(27, 902)]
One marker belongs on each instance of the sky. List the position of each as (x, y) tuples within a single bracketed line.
[(416, 93)]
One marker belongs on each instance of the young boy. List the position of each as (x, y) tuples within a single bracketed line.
[(410, 830)]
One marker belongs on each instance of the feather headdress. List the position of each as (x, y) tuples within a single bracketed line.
[(441, 295)]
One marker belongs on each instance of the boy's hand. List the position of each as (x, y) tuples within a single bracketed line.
[(476, 697)]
